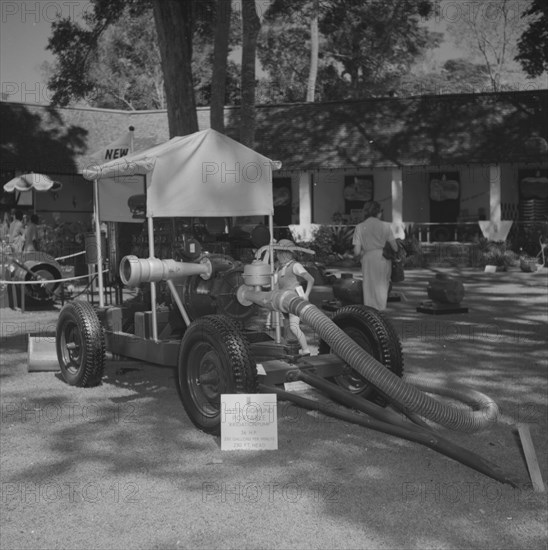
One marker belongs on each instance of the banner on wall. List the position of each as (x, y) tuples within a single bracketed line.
[(444, 196), (444, 204), (357, 191), (444, 186)]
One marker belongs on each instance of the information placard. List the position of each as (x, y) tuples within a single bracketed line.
[(249, 422)]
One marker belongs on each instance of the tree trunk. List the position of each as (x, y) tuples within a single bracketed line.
[(314, 50), (220, 56), (250, 30), (174, 27)]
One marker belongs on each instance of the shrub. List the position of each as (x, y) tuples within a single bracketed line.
[(496, 253), (415, 257), (527, 238), (332, 244)]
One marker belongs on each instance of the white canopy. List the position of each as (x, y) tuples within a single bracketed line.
[(202, 174)]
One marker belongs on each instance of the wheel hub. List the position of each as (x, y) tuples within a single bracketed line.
[(73, 344), (208, 378)]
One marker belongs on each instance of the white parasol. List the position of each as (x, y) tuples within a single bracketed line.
[(28, 182)]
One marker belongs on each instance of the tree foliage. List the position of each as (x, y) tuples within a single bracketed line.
[(112, 58), (126, 71), (533, 44), (457, 76), (364, 47), (489, 32), (76, 47)]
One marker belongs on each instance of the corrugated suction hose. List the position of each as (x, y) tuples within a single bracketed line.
[(407, 394)]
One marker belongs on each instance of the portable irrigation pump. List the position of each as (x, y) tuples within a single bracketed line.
[(204, 331)]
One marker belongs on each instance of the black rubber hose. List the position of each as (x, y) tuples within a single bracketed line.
[(348, 399), (418, 435), (394, 388)]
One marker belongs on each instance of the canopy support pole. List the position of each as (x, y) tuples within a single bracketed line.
[(275, 314), (152, 284), (98, 242)]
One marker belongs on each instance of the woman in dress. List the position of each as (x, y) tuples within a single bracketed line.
[(17, 232), (369, 239), (4, 226), (31, 234)]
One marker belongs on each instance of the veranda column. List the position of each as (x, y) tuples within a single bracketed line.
[(495, 229), (305, 199), (397, 203), (494, 193)]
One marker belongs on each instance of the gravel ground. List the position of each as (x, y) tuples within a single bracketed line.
[(121, 466)]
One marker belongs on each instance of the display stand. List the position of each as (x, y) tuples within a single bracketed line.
[(436, 308)]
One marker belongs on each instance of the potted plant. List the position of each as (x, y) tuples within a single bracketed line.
[(496, 257), (528, 263)]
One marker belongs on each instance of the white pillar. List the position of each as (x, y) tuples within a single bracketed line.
[(305, 199), (494, 193), (397, 203), (494, 229)]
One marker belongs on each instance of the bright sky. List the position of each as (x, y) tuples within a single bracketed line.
[(25, 27)]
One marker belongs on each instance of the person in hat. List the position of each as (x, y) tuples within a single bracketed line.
[(288, 273), (370, 237)]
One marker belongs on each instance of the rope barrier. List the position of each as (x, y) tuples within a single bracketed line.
[(70, 256), (48, 281)]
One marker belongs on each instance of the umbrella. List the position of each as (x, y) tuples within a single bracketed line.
[(27, 182)]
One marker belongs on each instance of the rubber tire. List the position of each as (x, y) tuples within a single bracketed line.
[(78, 325), (213, 345), (376, 334)]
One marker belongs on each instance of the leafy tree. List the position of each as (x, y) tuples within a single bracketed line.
[(174, 25), (127, 69), (375, 42), (116, 58), (314, 51), (364, 48), (489, 32), (251, 26), (223, 11), (95, 60), (456, 76), (75, 46), (533, 44)]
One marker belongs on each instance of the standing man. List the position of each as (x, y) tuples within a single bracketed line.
[(370, 237)]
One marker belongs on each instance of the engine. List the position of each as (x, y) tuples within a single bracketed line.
[(206, 286)]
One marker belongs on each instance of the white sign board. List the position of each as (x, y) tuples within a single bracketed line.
[(249, 422)]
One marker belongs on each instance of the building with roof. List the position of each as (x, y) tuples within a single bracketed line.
[(429, 160)]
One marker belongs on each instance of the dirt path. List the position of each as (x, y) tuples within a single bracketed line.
[(121, 466)]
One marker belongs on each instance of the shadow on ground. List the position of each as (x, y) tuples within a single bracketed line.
[(125, 456)]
